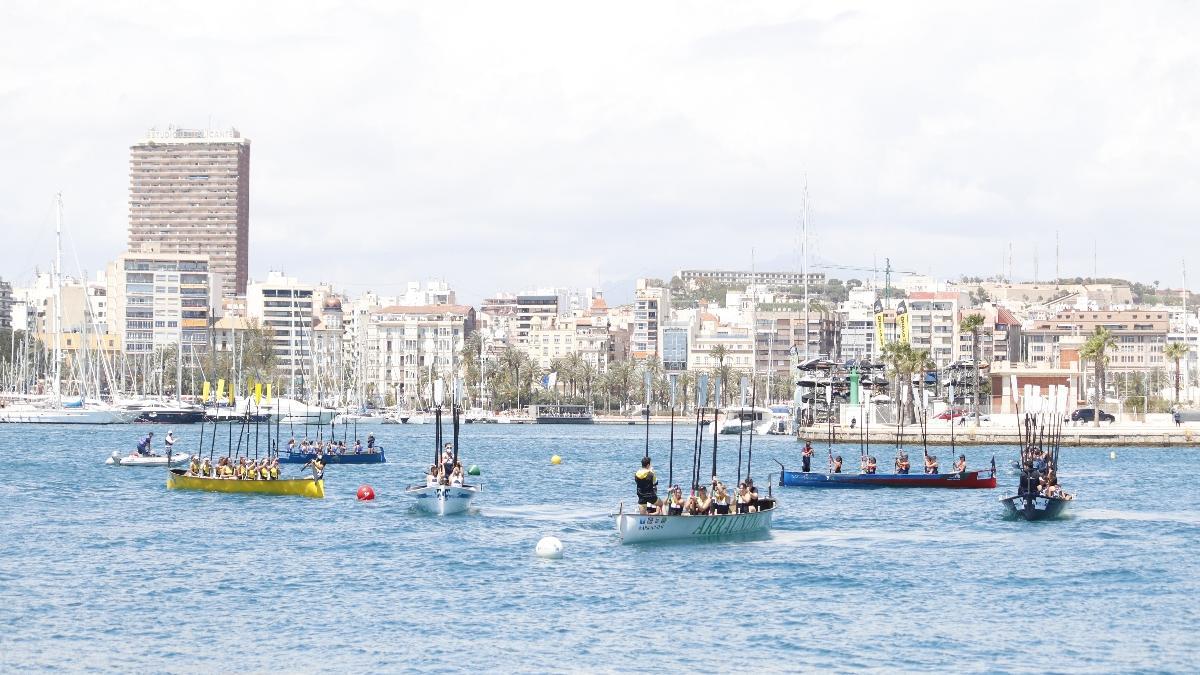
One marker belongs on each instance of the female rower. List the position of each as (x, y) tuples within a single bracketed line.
[(675, 502), (720, 499), (960, 464), (702, 505)]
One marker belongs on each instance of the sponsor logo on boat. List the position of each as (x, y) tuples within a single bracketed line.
[(651, 523), (713, 525)]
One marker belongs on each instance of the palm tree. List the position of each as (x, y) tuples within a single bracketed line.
[(972, 323), (685, 382), (918, 361), (1095, 350), (513, 360), (1176, 351), (470, 357), (621, 378), (896, 355)]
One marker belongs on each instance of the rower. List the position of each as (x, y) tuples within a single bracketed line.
[(902, 463), (291, 444), (720, 499), (675, 502), (647, 487), (194, 466), (357, 446), (837, 464), (275, 469), (806, 457), (871, 464), (960, 464), (206, 468), (931, 464), (318, 467)]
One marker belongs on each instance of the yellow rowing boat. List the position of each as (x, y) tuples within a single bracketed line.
[(178, 479)]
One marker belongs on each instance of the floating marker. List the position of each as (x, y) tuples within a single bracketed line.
[(365, 493), (474, 470), (549, 548), (556, 460), (1112, 455)]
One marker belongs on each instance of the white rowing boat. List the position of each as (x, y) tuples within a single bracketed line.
[(638, 527), (443, 500), (117, 459)]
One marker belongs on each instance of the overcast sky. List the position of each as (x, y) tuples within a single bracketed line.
[(506, 145)]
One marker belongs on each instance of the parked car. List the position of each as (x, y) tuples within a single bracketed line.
[(957, 413), (1089, 415)]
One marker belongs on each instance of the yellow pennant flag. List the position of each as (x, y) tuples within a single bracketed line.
[(257, 393), (205, 391), (232, 399), (268, 393), (221, 389)]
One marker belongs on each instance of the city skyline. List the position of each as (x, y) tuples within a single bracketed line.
[(398, 144)]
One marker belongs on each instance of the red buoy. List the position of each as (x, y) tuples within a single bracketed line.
[(365, 493)]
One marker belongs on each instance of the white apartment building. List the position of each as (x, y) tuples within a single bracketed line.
[(652, 304), (156, 299), (407, 345), (285, 305)]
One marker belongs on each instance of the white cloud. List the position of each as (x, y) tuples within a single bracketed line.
[(504, 145)]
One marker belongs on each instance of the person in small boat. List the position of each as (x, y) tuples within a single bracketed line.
[(169, 441), (317, 466), (870, 465), (806, 456), (431, 476), (194, 466), (206, 468), (456, 476), (837, 464), (960, 464), (357, 447), (264, 470), (291, 446), (143, 447), (675, 502), (228, 472), (275, 469), (902, 463), (720, 499), (646, 482), (931, 464), (744, 498), (702, 504), (370, 441), (755, 503)]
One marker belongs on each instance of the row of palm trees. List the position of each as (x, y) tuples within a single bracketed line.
[(1096, 350)]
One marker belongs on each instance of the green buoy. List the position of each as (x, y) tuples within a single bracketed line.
[(474, 470)]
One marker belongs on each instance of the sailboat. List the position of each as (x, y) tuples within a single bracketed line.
[(441, 495), (57, 410), (637, 526)]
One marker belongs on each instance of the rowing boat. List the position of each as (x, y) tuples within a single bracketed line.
[(983, 479), (374, 456), (443, 500), (117, 459), (1034, 507), (178, 479), (638, 527)]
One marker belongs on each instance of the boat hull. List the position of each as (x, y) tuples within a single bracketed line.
[(117, 459), (286, 457), (954, 481), (1034, 507), (65, 416), (177, 479), (635, 527), (170, 416), (443, 500)]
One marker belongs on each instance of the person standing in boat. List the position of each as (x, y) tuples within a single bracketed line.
[(370, 441), (806, 457), (169, 441), (647, 488)]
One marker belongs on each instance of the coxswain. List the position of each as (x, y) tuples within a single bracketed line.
[(169, 441), (318, 467), (960, 464), (143, 448), (370, 441), (194, 466), (647, 487), (806, 457)]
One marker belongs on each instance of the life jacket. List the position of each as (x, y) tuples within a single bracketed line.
[(646, 480), (274, 473), (194, 468), (206, 469)]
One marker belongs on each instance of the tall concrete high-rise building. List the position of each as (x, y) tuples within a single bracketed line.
[(189, 194)]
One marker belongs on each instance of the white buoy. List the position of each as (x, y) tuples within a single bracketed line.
[(1112, 455), (550, 548)]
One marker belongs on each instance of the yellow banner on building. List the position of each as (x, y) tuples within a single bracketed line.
[(879, 319), (257, 393), (221, 389), (903, 323), (268, 393), (205, 391)]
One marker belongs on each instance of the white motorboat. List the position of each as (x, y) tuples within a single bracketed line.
[(638, 527), (29, 414), (443, 500), (756, 420), (358, 418), (134, 459)]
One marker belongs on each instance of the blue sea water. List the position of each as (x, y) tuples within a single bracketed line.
[(103, 568)]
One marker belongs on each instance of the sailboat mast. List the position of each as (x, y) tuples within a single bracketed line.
[(57, 328), (804, 266)]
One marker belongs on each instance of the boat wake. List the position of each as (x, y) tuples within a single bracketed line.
[(1140, 516)]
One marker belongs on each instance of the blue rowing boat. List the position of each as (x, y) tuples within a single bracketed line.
[(964, 480), (374, 456)]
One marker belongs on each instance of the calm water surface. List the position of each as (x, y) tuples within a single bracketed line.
[(103, 568)]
